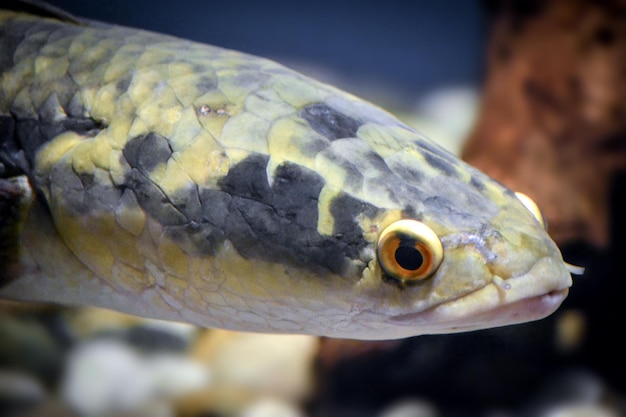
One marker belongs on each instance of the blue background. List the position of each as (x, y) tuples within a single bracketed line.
[(392, 51)]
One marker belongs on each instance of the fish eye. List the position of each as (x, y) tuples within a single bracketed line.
[(533, 208), (408, 250)]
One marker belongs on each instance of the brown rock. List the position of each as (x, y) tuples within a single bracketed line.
[(553, 118)]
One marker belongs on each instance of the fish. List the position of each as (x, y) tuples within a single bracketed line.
[(182, 181)]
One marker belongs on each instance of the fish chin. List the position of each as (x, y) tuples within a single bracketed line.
[(527, 297)]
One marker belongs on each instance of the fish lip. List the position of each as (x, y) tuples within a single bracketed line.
[(521, 311), (531, 296)]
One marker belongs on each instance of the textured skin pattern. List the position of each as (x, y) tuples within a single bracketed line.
[(226, 190)]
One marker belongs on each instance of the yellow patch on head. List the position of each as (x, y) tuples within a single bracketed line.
[(299, 93), (219, 112), (372, 227), (186, 130), (161, 112), (157, 173), (100, 152), (185, 87), (105, 102), (118, 167), (334, 174), (51, 152), (245, 131), (51, 68), (174, 178), (326, 221), (178, 69), (137, 128), (287, 139), (118, 131), (203, 161), (119, 67), (142, 85)]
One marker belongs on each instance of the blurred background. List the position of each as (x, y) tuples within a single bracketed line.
[(532, 92)]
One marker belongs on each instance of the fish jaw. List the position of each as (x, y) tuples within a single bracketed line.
[(527, 297)]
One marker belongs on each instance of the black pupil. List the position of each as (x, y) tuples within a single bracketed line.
[(408, 257)]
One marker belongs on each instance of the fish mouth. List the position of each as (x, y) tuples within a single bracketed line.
[(522, 311), (527, 297)]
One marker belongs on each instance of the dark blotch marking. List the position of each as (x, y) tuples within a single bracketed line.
[(21, 138), (507, 190), (146, 152), (82, 193), (330, 123), (206, 84), (441, 164), (153, 200), (447, 209), (49, 109), (477, 183), (409, 212), (378, 162), (249, 76), (345, 210), (97, 194), (410, 174), (312, 146), (279, 223), (435, 150), (122, 85), (354, 176), (74, 108), (276, 223), (178, 211), (296, 193), (204, 233), (248, 178)]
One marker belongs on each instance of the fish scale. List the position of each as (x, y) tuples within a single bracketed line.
[(183, 181)]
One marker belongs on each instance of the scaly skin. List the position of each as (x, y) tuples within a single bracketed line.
[(183, 181)]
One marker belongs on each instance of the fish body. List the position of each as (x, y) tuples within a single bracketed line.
[(182, 181)]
